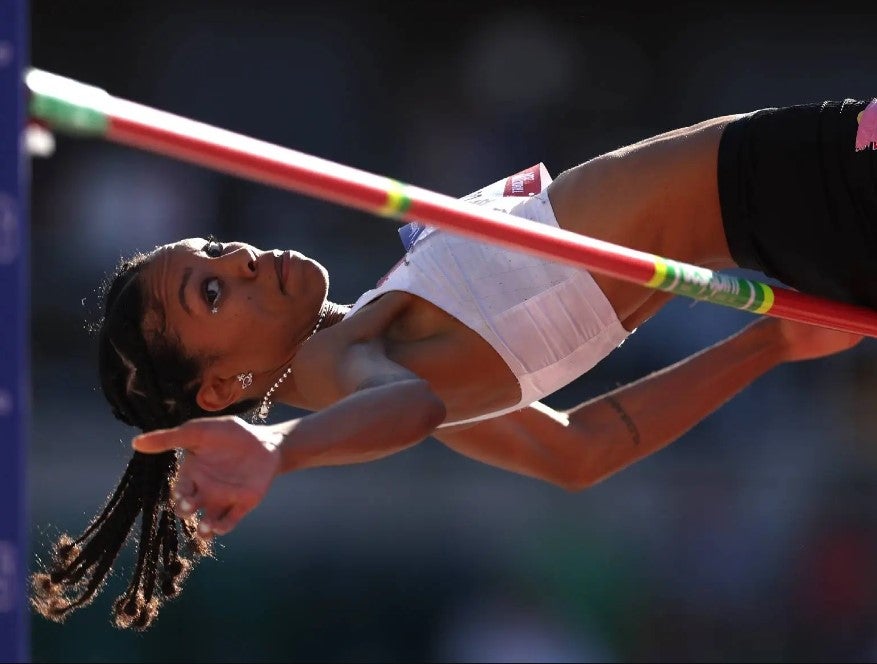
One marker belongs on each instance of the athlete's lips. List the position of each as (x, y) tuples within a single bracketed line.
[(280, 266)]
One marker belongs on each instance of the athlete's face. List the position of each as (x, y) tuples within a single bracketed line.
[(238, 308)]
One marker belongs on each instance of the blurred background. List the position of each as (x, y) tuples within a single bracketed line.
[(753, 538)]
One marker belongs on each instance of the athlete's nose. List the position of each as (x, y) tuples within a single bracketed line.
[(243, 262)]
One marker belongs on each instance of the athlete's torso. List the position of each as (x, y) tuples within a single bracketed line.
[(490, 329), (462, 369)]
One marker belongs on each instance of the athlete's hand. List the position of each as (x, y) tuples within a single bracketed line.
[(227, 468), (803, 341)]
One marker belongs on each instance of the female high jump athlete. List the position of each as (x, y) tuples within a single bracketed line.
[(461, 340)]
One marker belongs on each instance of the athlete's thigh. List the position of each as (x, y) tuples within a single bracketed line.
[(659, 196)]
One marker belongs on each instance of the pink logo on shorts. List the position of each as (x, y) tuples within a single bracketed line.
[(866, 137)]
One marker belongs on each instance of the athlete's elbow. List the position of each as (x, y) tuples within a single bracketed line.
[(432, 415), (576, 478), (426, 410), (576, 483), (596, 458)]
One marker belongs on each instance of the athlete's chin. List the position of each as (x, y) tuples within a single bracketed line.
[(316, 277), (319, 273)]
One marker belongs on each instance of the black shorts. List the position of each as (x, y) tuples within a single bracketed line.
[(799, 203)]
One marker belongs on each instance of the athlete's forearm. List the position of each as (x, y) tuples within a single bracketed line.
[(584, 445), (641, 418), (578, 448), (365, 426)]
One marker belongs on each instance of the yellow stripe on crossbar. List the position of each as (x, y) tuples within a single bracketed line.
[(660, 274), (397, 201)]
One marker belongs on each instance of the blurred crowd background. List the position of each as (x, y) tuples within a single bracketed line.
[(753, 538)]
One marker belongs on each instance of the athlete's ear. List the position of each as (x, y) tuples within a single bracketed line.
[(218, 392)]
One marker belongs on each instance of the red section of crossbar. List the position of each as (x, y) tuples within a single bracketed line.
[(347, 189), (548, 241), (246, 164), (823, 312), (347, 186)]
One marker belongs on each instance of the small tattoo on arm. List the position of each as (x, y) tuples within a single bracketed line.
[(627, 419)]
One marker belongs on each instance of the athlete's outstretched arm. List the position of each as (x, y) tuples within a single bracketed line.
[(230, 464), (577, 448)]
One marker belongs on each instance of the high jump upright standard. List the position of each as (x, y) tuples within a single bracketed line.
[(14, 332)]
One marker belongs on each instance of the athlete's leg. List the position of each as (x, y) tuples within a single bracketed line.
[(658, 195), (790, 192)]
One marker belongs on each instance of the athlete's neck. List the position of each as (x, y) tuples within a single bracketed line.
[(334, 313)]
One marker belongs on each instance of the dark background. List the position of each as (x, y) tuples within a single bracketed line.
[(752, 538)]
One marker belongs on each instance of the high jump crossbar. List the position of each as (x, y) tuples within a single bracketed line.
[(71, 107)]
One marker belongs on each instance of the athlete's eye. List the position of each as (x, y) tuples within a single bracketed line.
[(212, 291)]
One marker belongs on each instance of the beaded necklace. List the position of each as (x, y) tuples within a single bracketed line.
[(265, 406)]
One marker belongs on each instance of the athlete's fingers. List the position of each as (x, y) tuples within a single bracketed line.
[(204, 529), (184, 487), (212, 499), (155, 442), (184, 506), (229, 519), (189, 436), (184, 503)]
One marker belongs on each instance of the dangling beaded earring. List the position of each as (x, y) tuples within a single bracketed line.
[(246, 379)]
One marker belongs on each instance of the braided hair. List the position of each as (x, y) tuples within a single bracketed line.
[(150, 383)]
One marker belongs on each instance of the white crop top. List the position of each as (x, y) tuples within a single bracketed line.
[(549, 321)]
